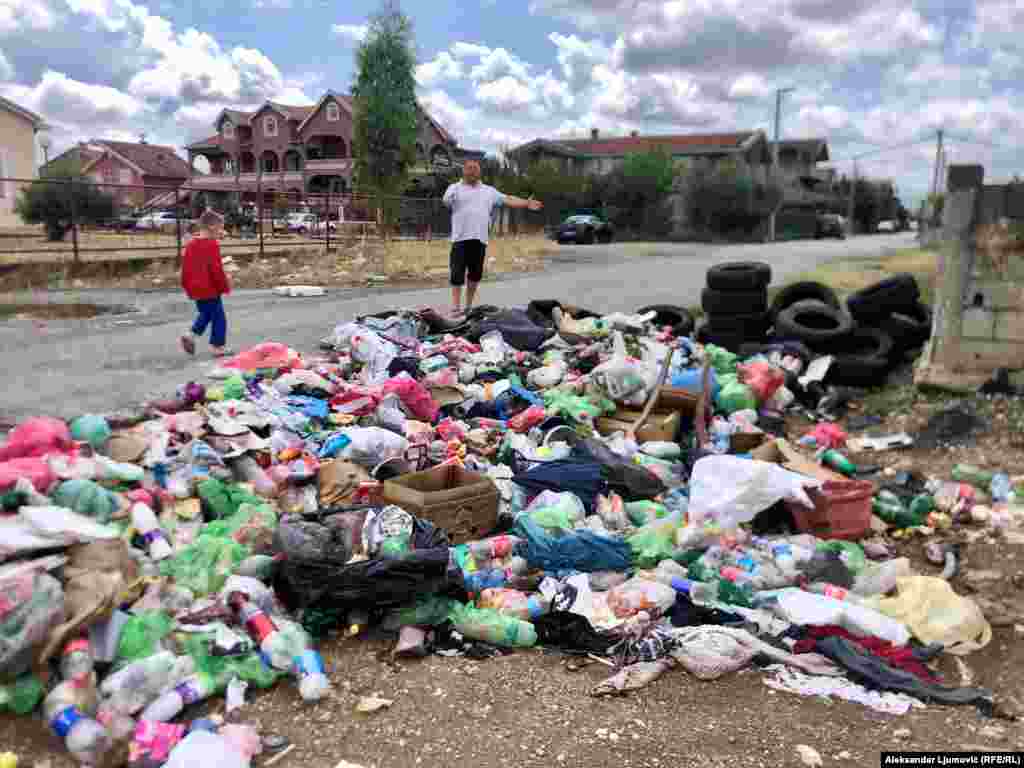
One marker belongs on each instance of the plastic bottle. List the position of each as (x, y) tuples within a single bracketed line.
[(285, 649), (131, 688), (248, 471), (668, 570), (831, 590), (967, 473), (1000, 487), (512, 602), (84, 737), (77, 660), (192, 689), (889, 508), (838, 462), (202, 748), (21, 696), (921, 505), (121, 727), (491, 627), (145, 522), (494, 548)]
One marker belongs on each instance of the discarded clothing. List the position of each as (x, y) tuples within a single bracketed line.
[(572, 633), (793, 681), (686, 613), (902, 656), (710, 652), (633, 677), (583, 478), (878, 674), (577, 551)]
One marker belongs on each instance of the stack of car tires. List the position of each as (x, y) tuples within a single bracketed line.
[(735, 303), (867, 338)]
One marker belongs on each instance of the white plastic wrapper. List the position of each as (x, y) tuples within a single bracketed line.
[(729, 490)]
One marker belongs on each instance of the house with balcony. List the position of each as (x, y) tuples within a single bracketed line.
[(296, 150), (599, 154), (137, 174), (804, 184)]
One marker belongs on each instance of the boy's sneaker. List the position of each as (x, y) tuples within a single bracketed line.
[(188, 345), (223, 352)]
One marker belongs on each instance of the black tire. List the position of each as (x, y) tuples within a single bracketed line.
[(731, 342), (739, 276), (793, 348), (728, 302), (588, 237), (750, 327), (803, 291), (814, 323), (679, 318), (862, 359), (910, 328), (877, 301), (604, 238)]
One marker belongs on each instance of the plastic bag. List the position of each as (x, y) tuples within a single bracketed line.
[(204, 566), (46, 528), (735, 396), (22, 696), (87, 498), (730, 490), (415, 398), (622, 379), (492, 627), (936, 614), (36, 437), (224, 499), (555, 511), (512, 602), (722, 360), (577, 551), (35, 469), (248, 667), (763, 378), (850, 553), (640, 595), (612, 512), (655, 542), (31, 605), (269, 354), (372, 445), (142, 636)]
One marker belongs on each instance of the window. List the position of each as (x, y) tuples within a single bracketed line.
[(126, 176), (3, 172), (333, 113), (229, 129), (269, 126)]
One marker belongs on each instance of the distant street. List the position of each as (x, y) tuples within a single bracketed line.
[(69, 367)]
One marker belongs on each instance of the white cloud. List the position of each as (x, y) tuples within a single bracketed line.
[(441, 67), (113, 15), (749, 86), (352, 33), (25, 15), (578, 57), (442, 107), (274, 5), (506, 94), (880, 32), (469, 50), (498, 63), (6, 70)]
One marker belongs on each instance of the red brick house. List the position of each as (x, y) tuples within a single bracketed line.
[(297, 150), (151, 168)]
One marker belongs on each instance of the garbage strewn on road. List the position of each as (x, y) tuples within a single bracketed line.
[(601, 485)]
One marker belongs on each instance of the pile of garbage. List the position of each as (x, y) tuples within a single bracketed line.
[(547, 476)]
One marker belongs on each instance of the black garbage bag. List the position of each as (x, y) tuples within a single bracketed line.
[(315, 571), (581, 477), (630, 481), (517, 328)]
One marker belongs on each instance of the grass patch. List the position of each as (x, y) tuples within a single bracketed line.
[(424, 259), (901, 399), (848, 276)]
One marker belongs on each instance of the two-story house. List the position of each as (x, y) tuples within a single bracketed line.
[(18, 129), (803, 182), (137, 174), (297, 150), (598, 155)]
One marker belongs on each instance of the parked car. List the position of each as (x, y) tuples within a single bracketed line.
[(162, 221), (296, 222), (887, 226), (584, 229), (120, 223), (829, 225)]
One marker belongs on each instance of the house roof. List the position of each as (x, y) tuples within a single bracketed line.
[(342, 100), (32, 117), (147, 159), (213, 141), (818, 148), (679, 144)]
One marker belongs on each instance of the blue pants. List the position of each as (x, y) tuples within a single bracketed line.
[(211, 312)]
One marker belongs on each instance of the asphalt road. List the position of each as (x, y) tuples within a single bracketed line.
[(111, 362)]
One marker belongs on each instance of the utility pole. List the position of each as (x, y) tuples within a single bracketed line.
[(853, 186), (938, 163), (779, 93)]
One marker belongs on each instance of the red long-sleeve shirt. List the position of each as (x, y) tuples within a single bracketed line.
[(202, 272)]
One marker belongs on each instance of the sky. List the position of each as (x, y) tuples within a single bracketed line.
[(871, 76)]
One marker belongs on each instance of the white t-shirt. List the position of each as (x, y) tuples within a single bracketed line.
[(471, 209)]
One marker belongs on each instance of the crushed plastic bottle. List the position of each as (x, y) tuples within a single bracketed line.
[(1000, 487), (77, 660), (84, 737)]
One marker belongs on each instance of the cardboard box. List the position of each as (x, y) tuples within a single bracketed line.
[(661, 426), (464, 503)]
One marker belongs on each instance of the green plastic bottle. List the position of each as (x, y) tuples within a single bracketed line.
[(839, 462), (979, 478), (922, 505), (889, 508), (22, 696)]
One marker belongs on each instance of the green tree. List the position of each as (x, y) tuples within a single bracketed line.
[(654, 170), (62, 197), (386, 112)]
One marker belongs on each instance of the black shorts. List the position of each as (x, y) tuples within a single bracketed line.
[(467, 260)]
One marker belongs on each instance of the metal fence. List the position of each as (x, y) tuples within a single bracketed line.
[(149, 222)]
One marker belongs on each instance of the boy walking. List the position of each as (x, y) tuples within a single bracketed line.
[(203, 279), (472, 203)]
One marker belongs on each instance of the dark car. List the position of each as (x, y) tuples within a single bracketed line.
[(584, 229), (829, 225)]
